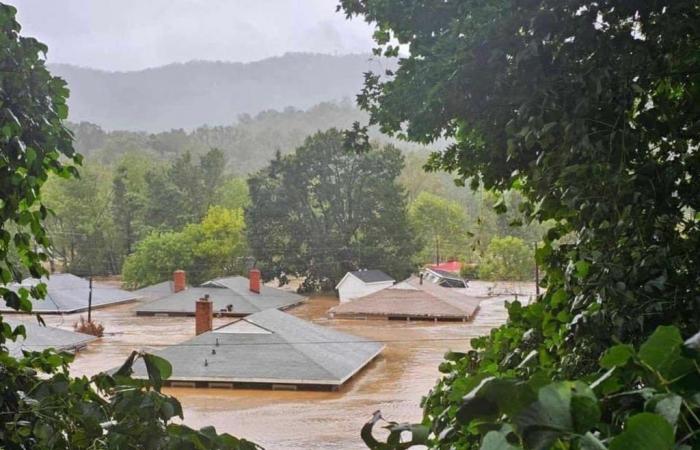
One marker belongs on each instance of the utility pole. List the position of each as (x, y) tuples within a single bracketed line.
[(90, 302), (437, 250), (537, 274)]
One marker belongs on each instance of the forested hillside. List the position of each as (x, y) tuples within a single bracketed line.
[(247, 144), (215, 93)]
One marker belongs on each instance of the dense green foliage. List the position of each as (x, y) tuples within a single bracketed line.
[(41, 406), (441, 225), (248, 144), (590, 110), (213, 248), (481, 220), (321, 211), (100, 218), (507, 258), (507, 413)]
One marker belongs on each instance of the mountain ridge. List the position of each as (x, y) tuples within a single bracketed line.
[(196, 93)]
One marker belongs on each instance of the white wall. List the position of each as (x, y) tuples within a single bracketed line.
[(352, 287)]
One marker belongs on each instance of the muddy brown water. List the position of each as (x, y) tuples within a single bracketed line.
[(393, 383)]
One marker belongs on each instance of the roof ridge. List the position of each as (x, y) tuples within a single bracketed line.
[(302, 347)]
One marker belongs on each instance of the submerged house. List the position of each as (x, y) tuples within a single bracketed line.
[(443, 278), (234, 296), (40, 337), (412, 299), (362, 282), (266, 350), (67, 293)]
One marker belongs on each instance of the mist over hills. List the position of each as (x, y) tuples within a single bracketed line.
[(201, 93)]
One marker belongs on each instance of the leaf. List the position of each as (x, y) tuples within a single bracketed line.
[(667, 406), (616, 356), (662, 352), (497, 440), (492, 397), (126, 368), (589, 442), (585, 412), (543, 422), (158, 369), (582, 268), (645, 431)]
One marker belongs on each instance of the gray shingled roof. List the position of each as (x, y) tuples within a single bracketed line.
[(232, 291), (41, 337), (155, 291), (371, 276), (67, 293), (269, 347)]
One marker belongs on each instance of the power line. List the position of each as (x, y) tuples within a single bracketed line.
[(246, 344)]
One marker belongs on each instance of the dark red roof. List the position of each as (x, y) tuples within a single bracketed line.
[(449, 266)]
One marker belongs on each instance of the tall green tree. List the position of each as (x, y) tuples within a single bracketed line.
[(322, 211), (590, 110), (81, 226), (442, 226), (41, 406), (508, 258), (213, 248), (182, 193)]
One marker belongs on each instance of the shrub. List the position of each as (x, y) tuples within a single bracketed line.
[(642, 399), (89, 327), (469, 271)]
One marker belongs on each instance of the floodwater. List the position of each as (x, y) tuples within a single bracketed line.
[(393, 383)]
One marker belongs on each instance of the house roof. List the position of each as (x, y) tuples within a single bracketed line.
[(367, 276), (155, 291), (445, 273), (412, 299), (269, 347), (222, 292), (41, 337), (372, 276), (67, 293), (449, 266)]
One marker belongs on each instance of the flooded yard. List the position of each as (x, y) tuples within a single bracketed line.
[(393, 383)]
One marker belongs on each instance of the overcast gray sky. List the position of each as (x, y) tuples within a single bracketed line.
[(134, 34)]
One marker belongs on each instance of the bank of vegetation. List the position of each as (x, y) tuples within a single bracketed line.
[(589, 111)]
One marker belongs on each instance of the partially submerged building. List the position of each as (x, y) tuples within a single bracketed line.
[(67, 293), (230, 296), (362, 282), (40, 338), (443, 278), (266, 350), (412, 299)]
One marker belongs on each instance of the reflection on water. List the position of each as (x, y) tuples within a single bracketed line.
[(393, 383)]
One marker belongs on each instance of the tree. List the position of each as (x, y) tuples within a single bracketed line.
[(213, 248), (81, 226), (321, 211), (182, 193), (233, 194), (589, 110), (442, 226), (41, 406), (508, 258)]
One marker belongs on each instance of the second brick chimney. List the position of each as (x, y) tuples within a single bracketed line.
[(254, 277), (179, 281), (203, 315)]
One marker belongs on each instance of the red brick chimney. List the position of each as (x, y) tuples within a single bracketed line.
[(254, 277), (179, 281), (203, 315)]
